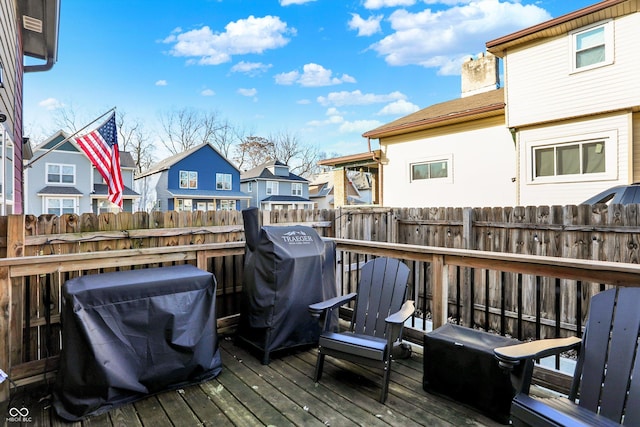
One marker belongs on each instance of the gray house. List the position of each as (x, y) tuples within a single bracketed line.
[(271, 186), (62, 180)]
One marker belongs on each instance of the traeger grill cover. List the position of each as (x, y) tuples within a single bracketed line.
[(132, 333), (286, 269)]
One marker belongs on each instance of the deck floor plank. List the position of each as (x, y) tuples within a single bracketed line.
[(150, 410), (177, 409), (246, 393), (283, 393)]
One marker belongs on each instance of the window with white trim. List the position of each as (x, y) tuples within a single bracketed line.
[(227, 205), (249, 187), (185, 205), (189, 179), (272, 188), (592, 47), (296, 189), (223, 181), (577, 158), (60, 205), (61, 174), (433, 169)]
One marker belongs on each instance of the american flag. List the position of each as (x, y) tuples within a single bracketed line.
[(101, 146)]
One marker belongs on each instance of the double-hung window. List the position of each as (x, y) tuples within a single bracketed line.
[(272, 188), (296, 189), (592, 47), (61, 174), (60, 206), (189, 179), (223, 181)]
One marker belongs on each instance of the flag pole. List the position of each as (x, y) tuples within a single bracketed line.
[(28, 165)]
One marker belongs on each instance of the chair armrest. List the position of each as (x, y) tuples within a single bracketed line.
[(318, 308), (403, 314), (512, 355)]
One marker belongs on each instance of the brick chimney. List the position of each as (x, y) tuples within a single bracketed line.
[(480, 74)]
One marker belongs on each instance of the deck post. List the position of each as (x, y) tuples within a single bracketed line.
[(440, 291), (15, 248)]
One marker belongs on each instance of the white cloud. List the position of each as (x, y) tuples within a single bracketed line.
[(360, 126), (313, 75), (50, 104), (207, 92), (356, 97), (244, 36), (378, 4), (250, 68), (290, 2), (398, 108), (442, 38), (303, 102), (248, 92), (161, 83), (365, 27)]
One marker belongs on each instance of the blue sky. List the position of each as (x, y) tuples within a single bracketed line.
[(324, 71)]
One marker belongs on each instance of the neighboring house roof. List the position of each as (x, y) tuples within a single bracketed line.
[(217, 194), (165, 164), (360, 159), (563, 24), (486, 104), (60, 191), (262, 172), (281, 198), (103, 190), (126, 159), (317, 190)]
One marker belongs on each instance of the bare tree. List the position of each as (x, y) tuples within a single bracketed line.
[(133, 139), (227, 137), (253, 151), (186, 127)]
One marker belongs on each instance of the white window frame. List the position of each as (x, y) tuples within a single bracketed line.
[(191, 175), (607, 27), (272, 188), (61, 208), (184, 205), (446, 158), (296, 189), (60, 174), (224, 181), (608, 138), (227, 205), (250, 187)]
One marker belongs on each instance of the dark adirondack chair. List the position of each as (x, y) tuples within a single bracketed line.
[(381, 308), (606, 383)]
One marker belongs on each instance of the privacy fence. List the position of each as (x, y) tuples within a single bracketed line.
[(519, 294)]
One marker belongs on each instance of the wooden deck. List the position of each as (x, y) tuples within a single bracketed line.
[(282, 393)]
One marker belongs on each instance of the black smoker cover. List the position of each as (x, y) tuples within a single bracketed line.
[(128, 334), (286, 268)]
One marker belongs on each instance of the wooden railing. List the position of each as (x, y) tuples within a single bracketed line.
[(475, 288)]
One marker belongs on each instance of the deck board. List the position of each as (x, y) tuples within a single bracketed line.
[(283, 393)]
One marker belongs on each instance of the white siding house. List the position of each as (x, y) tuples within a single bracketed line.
[(459, 153), (573, 97)]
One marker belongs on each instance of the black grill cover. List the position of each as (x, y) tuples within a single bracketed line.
[(286, 269), (128, 334)]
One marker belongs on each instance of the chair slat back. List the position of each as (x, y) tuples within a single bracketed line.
[(609, 352), (381, 291)]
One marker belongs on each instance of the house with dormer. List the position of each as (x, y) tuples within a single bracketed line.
[(60, 179), (272, 186), (198, 179), (573, 102)]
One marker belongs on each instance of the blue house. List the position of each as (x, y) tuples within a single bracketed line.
[(271, 186), (197, 179)]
